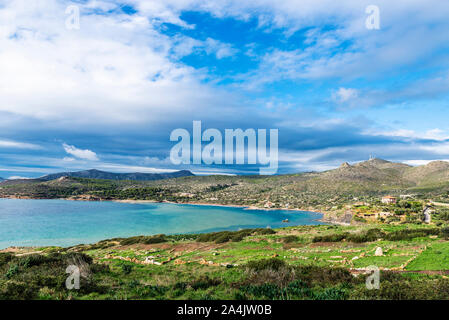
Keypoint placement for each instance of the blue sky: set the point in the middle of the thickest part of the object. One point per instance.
(107, 95)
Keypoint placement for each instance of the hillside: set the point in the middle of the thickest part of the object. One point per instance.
(97, 174)
(433, 172)
(368, 180)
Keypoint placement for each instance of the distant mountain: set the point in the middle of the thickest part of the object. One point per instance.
(97, 174)
(1, 179)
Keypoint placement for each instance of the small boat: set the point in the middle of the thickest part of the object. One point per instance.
(286, 220)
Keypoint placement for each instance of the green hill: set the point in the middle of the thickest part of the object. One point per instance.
(321, 190)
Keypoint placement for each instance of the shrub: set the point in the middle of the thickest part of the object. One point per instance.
(273, 264)
(331, 294)
(159, 238)
(235, 236)
(290, 239)
(18, 291)
(445, 232)
(409, 234)
(359, 219)
(127, 268)
(331, 238)
(28, 274)
(267, 291)
(265, 231)
(204, 283)
(5, 257)
(151, 291)
(323, 276)
(368, 236)
(12, 271)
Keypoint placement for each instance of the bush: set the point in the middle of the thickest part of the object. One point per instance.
(359, 219)
(445, 232)
(314, 275)
(18, 291)
(159, 238)
(127, 268)
(264, 264)
(368, 236)
(204, 283)
(290, 239)
(5, 257)
(330, 294)
(294, 290)
(27, 275)
(13, 270)
(331, 238)
(235, 236)
(223, 237)
(265, 231)
(409, 234)
(375, 233)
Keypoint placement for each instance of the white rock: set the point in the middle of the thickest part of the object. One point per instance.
(378, 252)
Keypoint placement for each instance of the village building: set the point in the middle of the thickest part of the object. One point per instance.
(389, 200)
(268, 204)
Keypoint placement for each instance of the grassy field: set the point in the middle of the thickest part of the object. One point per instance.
(287, 263)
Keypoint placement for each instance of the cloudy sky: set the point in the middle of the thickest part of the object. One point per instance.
(107, 95)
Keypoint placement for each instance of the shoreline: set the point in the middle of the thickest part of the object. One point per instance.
(322, 219)
(244, 207)
(131, 201)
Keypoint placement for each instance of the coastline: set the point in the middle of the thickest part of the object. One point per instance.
(318, 218)
(246, 207)
(326, 216)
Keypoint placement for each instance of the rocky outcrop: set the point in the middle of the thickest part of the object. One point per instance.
(341, 219)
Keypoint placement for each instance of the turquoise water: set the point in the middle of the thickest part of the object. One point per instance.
(66, 223)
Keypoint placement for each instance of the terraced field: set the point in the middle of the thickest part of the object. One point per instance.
(256, 264)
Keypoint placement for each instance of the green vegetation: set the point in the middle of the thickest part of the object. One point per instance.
(375, 234)
(235, 236)
(287, 263)
(304, 262)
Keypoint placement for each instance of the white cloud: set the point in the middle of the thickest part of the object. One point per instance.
(131, 168)
(116, 68)
(17, 178)
(121, 69)
(432, 134)
(220, 49)
(18, 145)
(436, 134)
(79, 153)
(345, 94)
